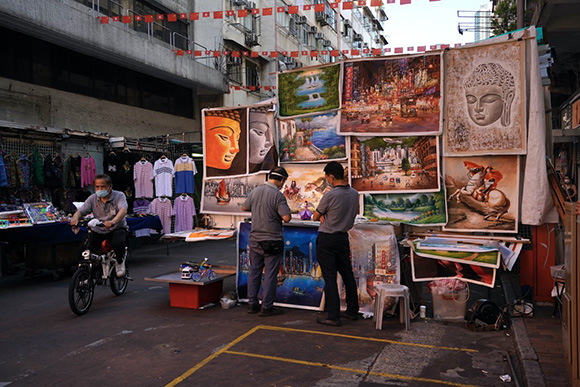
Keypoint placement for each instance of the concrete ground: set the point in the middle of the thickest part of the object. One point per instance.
(139, 339)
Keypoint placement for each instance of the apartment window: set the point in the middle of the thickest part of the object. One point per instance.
(35, 61)
(234, 69)
(252, 74)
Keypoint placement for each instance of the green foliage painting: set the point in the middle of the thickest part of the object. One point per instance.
(309, 91)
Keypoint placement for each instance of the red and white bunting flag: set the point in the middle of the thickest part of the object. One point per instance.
(237, 88)
(205, 14)
(280, 9)
(324, 52)
(242, 13)
(293, 9)
(348, 5)
(126, 19)
(194, 16)
(255, 11)
(403, 2)
(235, 54)
(422, 48)
(334, 53)
(443, 46)
(183, 16)
(218, 15)
(267, 87)
(345, 52)
(226, 53)
(273, 54)
(433, 47)
(307, 7)
(172, 17)
(116, 18)
(313, 54)
(159, 17)
(230, 13)
(189, 52)
(377, 51)
(264, 53)
(366, 51)
(207, 52)
(362, 3)
(273, 87)
(254, 54)
(179, 52)
(398, 50)
(245, 53)
(138, 17)
(410, 49)
(217, 53)
(387, 50)
(390, 1)
(457, 45)
(355, 52)
(304, 53)
(252, 88)
(285, 53)
(104, 20)
(149, 18)
(334, 5)
(267, 12)
(197, 53)
(294, 54)
(319, 7)
(376, 3)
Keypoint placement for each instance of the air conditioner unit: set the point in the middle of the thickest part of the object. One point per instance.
(322, 18)
(327, 43)
(301, 20)
(347, 23)
(240, 3)
(357, 37)
(319, 36)
(251, 39)
(313, 29)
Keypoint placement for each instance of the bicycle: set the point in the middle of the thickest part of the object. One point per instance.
(205, 270)
(93, 270)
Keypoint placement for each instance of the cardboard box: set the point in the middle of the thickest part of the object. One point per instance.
(450, 306)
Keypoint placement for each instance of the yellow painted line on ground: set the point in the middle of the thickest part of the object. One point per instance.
(283, 329)
(190, 371)
(353, 370)
(225, 349)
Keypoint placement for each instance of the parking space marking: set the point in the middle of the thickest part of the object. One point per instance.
(226, 350)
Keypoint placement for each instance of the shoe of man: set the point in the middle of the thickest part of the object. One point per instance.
(120, 268)
(348, 316)
(253, 308)
(325, 321)
(270, 312)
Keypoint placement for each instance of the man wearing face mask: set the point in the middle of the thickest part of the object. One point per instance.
(110, 208)
(269, 208)
(336, 211)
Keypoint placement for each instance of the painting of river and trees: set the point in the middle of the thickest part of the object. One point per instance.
(419, 209)
(309, 90)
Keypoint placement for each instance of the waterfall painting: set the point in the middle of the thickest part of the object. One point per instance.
(309, 90)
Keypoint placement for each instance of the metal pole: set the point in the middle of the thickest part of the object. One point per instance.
(520, 14)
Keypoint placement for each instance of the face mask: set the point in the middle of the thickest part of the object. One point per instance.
(102, 193)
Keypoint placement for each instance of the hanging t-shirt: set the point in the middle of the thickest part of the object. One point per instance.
(141, 206)
(88, 171)
(112, 167)
(75, 170)
(163, 208)
(184, 209)
(163, 170)
(184, 171)
(143, 177)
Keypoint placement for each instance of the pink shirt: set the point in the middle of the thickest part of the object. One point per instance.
(164, 209)
(143, 176)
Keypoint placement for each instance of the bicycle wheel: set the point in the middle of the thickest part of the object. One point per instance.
(196, 277)
(81, 291)
(211, 275)
(119, 284)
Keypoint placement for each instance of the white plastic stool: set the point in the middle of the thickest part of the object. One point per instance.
(392, 290)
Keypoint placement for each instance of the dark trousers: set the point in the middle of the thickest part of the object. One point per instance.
(258, 261)
(118, 240)
(333, 254)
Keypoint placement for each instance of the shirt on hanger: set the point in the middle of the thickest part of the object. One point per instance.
(163, 171)
(184, 173)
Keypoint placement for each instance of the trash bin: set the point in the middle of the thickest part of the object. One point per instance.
(449, 299)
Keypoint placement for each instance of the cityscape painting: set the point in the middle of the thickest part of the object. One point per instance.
(485, 100)
(226, 196)
(399, 96)
(394, 165)
(311, 138)
(417, 209)
(300, 282)
(309, 90)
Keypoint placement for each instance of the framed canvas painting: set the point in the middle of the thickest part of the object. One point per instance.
(485, 100)
(309, 90)
(300, 282)
(482, 193)
(417, 209)
(311, 138)
(397, 95)
(262, 139)
(226, 196)
(225, 142)
(394, 164)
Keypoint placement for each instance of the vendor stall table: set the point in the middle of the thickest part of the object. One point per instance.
(54, 245)
(185, 293)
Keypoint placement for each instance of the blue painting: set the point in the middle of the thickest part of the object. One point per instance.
(300, 282)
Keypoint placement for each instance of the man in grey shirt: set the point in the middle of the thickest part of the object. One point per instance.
(110, 208)
(336, 211)
(269, 208)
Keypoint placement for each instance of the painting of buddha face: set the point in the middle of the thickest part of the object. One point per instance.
(223, 135)
(485, 100)
(261, 137)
